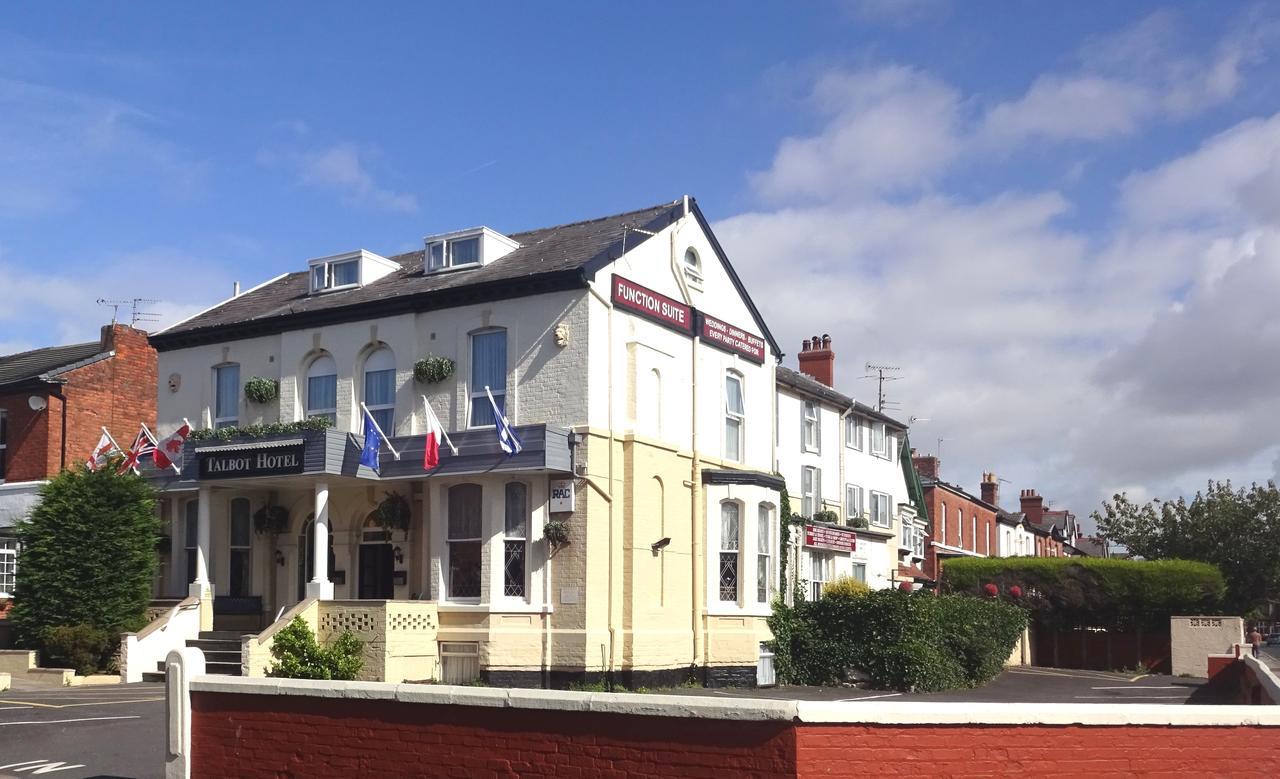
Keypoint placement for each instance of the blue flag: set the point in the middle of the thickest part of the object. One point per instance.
(507, 439)
(372, 442)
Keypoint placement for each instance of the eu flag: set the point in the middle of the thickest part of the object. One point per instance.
(372, 442)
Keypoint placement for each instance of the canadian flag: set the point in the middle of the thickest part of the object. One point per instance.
(169, 451)
(105, 448)
(435, 432)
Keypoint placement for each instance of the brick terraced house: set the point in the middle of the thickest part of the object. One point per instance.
(54, 403)
(630, 361)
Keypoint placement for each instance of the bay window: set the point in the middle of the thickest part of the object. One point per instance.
(464, 540)
(515, 544)
(730, 537)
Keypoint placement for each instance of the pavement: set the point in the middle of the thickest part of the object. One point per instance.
(74, 732)
(1025, 684)
(1271, 656)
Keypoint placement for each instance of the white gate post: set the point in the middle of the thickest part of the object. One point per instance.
(181, 666)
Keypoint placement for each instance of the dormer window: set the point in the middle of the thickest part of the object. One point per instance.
(345, 271)
(453, 253)
(466, 249)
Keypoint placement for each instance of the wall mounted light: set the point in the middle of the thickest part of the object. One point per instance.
(279, 558)
(399, 554)
(660, 544)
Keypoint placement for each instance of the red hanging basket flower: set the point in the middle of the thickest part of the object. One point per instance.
(1015, 591)
(905, 586)
(991, 590)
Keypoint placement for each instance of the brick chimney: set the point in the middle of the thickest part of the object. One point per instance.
(1032, 506)
(817, 360)
(926, 465)
(990, 489)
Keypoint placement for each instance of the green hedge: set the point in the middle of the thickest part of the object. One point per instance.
(902, 641)
(1070, 592)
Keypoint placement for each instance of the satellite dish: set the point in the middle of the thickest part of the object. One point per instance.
(37, 403)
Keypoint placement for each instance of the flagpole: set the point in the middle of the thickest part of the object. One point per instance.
(385, 440)
(432, 412)
(111, 438)
(155, 443)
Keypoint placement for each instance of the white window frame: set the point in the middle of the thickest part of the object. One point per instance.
(810, 497)
(973, 534)
(853, 433)
(822, 568)
(942, 520)
(917, 542)
(693, 270)
(726, 549)
(330, 413)
(764, 552)
(446, 253)
(326, 275)
(732, 417)
(879, 499)
(858, 570)
(220, 422)
(389, 430)
(8, 565)
(508, 539)
(810, 426)
(500, 394)
(854, 502)
(879, 448)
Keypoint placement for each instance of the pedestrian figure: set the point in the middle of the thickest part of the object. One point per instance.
(1255, 638)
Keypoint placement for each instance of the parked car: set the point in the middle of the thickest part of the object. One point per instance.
(1273, 639)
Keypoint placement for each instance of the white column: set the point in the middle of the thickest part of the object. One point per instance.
(201, 586)
(320, 586)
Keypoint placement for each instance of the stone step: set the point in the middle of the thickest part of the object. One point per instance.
(220, 635)
(210, 645)
(153, 676)
(225, 669)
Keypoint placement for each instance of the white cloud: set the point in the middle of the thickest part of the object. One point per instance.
(342, 168)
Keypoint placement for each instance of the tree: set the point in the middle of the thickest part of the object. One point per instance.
(88, 559)
(1237, 530)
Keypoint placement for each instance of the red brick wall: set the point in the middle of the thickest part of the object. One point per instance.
(119, 393)
(985, 542)
(272, 736)
(1087, 751)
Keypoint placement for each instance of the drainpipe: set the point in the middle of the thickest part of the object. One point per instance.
(695, 499)
(609, 660)
(56, 392)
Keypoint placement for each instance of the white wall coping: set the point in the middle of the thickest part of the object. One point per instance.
(1265, 676)
(757, 709)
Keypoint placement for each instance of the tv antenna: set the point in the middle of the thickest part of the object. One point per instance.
(879, 373)
(136, 314)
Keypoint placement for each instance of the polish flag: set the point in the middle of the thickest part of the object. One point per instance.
(102, 452)
(435, 433)
(169, 451)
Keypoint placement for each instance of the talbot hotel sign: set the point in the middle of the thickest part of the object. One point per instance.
(823, 537)
(276, 461)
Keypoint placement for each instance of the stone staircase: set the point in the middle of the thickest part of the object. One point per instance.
(221, 654)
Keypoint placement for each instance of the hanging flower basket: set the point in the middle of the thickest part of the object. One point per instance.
(557, 533)
(260, 390)
(271, 520)
(393, 513)
(164, 545)
(432, 369)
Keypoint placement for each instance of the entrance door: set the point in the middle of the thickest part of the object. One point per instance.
(375, 572)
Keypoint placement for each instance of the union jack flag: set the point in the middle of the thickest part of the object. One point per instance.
(143, 444)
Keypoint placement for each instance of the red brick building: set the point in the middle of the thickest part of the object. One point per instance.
(960, 524)
(54, 403)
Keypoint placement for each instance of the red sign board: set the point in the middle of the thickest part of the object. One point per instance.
(824, 537)
(652, 305)
(730, 338)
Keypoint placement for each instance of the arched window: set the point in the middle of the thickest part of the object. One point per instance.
(515, 545)
(735, 416)
(692, 265)
(730, 544)
(380, 388)
(488, 369)
(241, 543)
(465, 540)
(322, 389)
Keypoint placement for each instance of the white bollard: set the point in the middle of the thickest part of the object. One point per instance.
(181, 666)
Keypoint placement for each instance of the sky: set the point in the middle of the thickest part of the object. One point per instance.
(1060, 221)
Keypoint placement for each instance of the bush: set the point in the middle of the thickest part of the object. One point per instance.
(298, 656)
(84, 648)
(844, 587)
(262, 431)
(902, 641)
(88, 559)
(1065, 592)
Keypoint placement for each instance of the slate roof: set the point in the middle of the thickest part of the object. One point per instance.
(807, 384)
(46, 363)
(549, 259)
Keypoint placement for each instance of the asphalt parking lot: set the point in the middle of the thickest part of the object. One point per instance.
(73, 732)
(1027, 684)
